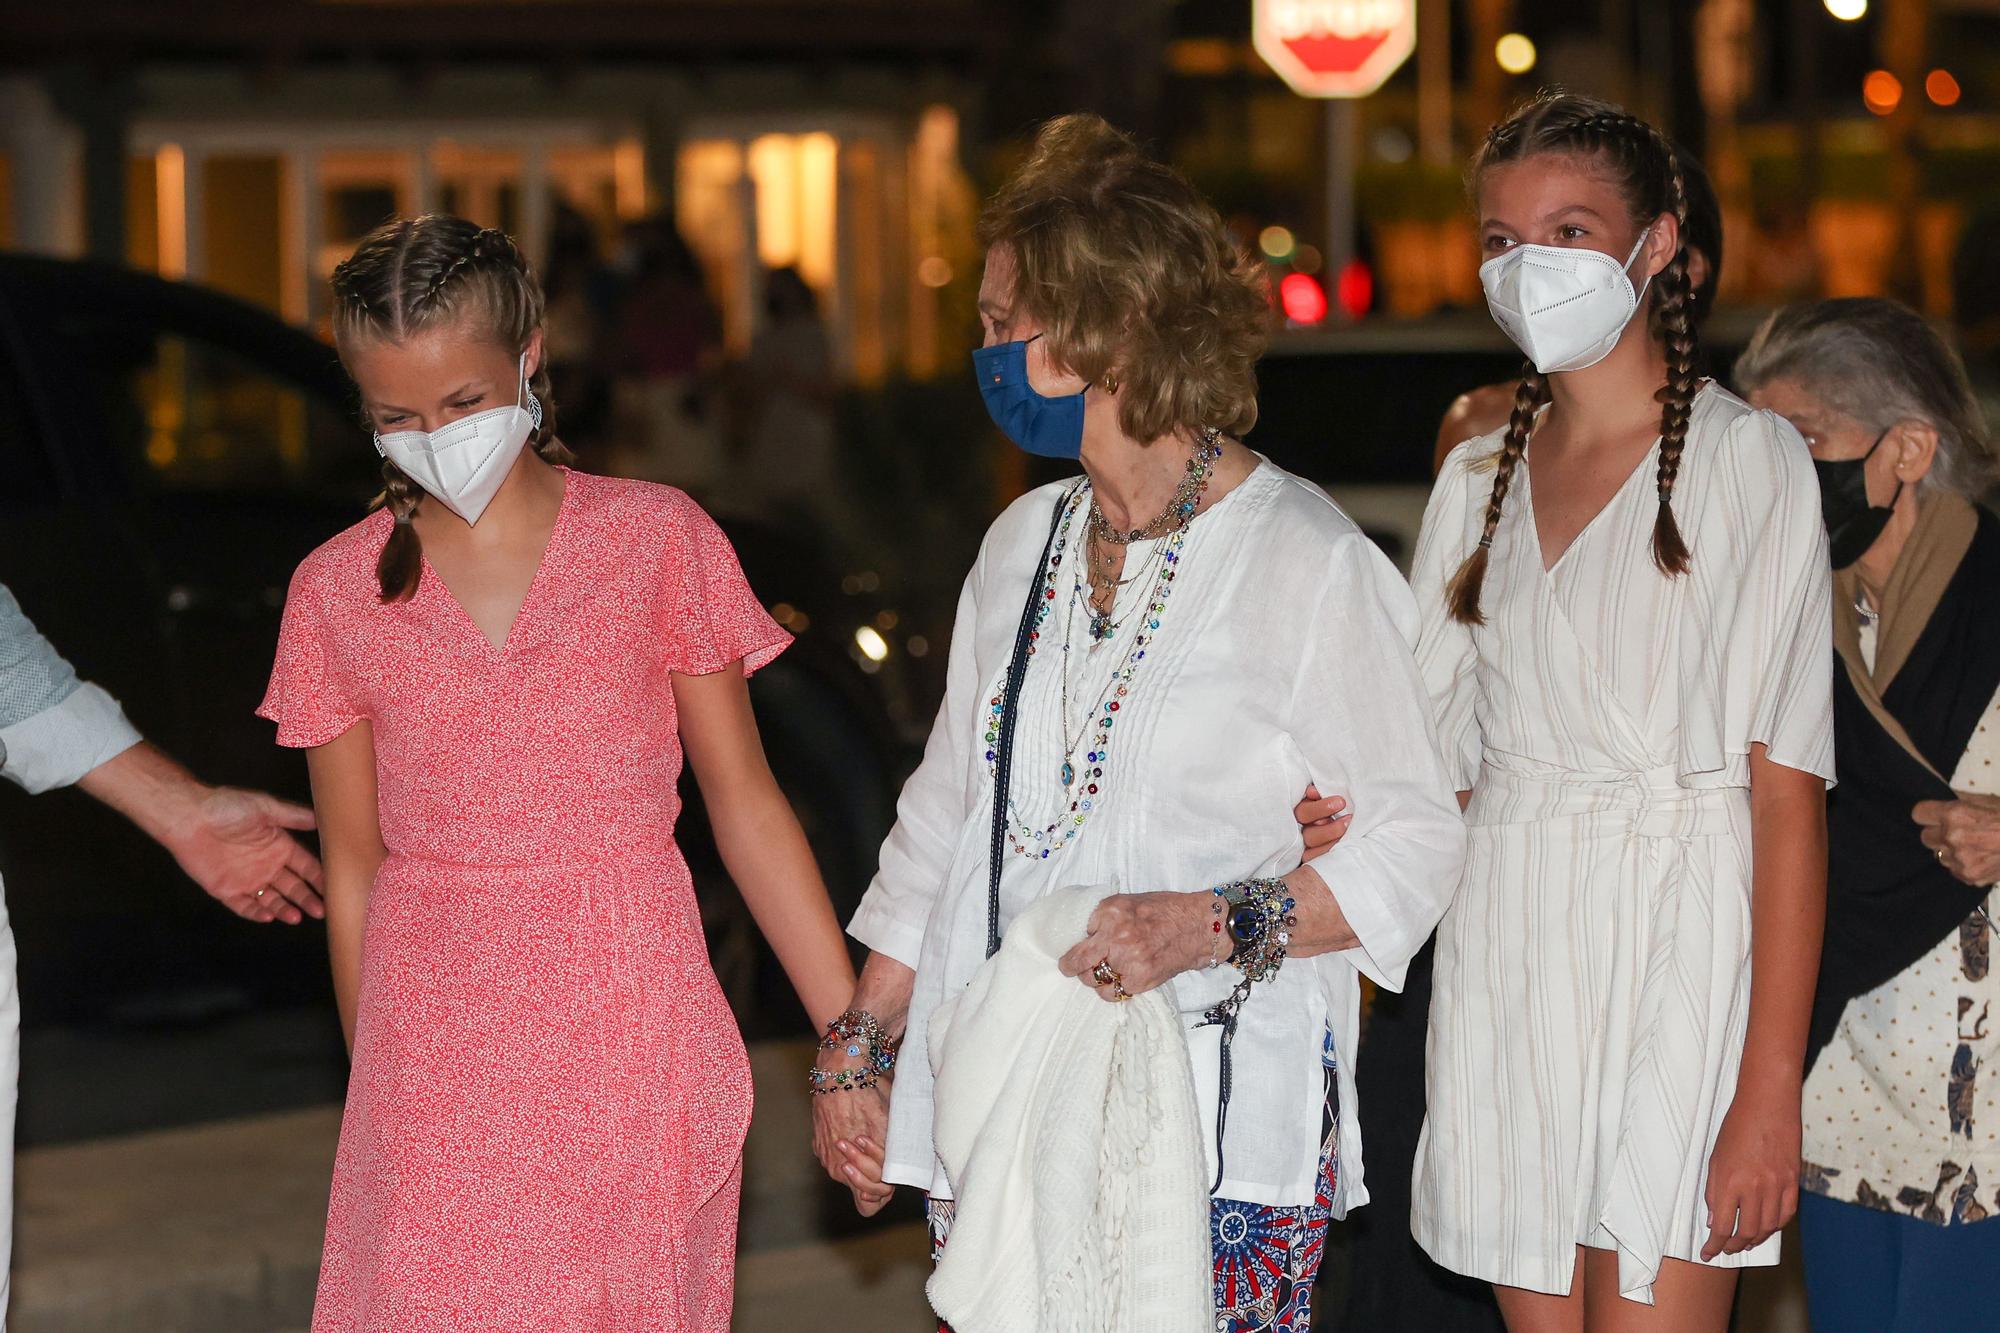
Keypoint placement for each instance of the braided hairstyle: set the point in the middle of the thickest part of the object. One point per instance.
(1648, 173)
(414, 275)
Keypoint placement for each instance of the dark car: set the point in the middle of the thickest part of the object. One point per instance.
(167, 456)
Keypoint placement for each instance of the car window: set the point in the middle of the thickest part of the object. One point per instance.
(184, 413)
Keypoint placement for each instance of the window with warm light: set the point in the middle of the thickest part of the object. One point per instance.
(795, 176)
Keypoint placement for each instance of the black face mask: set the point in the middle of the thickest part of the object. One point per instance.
(1852, 524)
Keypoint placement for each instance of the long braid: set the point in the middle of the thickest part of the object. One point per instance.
(1462, 594)
(1670, 550)
(401, 563)
(1671, 308)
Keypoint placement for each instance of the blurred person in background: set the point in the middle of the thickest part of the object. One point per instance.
(1484, 410)
(664, 354)
(1901, 1175)
(59, 731)
(583, 293)
(786, 394)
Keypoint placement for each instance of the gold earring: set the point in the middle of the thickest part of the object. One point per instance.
(1110, 382)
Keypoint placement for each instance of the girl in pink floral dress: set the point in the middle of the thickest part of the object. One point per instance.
(495, 675)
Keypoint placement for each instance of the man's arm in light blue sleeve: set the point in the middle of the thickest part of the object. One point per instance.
(54, 728)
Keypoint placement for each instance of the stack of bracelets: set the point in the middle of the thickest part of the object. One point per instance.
(1256, 915)
(856, 1034)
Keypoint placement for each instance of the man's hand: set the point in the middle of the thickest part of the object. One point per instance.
(233, 843)
(238, 849)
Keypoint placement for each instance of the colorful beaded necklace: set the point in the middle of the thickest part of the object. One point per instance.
(1040, 843)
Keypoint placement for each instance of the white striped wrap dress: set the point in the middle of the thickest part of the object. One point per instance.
(1593, 970)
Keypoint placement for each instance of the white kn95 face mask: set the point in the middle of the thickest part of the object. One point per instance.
(1565, 307)
(464, 463)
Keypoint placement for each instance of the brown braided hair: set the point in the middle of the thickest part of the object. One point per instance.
(1648, 173)
(413, 275)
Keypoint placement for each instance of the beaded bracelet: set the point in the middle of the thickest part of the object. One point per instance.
(857, 1034)
(1257, 914)
(1263, 935)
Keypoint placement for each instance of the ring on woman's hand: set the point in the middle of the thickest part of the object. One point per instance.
(260, 893)
(1104, 974)
(1119, 994)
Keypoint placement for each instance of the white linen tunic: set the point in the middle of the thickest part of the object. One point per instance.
(1284, 656)
(1593, 972)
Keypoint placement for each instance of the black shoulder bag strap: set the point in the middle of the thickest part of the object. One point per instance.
(1010, 696)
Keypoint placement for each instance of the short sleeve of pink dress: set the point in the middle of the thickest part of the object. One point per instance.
(306, 697)
(719, 620)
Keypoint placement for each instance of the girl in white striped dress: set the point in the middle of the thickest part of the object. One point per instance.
(1629, 663)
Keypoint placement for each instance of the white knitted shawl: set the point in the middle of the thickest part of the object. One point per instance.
(1067, 1127)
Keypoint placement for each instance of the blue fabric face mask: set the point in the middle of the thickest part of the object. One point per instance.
(1048, 427)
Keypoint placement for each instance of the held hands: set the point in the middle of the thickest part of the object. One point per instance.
(1753, 1174)
(1965, 834)
(1142, 939)
(848, 1131)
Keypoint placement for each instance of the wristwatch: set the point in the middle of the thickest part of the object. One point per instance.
(1245, 923)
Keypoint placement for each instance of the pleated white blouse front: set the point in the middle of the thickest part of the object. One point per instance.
(1593, 971)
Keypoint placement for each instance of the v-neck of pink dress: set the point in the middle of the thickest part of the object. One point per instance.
(546, 1113)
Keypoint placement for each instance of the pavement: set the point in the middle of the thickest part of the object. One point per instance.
(215, 1228)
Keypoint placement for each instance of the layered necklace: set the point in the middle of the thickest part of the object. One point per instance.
(1082, 775)
(1173, 519)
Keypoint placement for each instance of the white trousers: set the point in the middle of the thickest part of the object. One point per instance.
(10, 1082)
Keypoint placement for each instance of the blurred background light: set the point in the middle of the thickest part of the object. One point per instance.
(1881, 91)
(1303, 299)
(1515, 53)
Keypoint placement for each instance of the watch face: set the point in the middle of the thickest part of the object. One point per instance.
(1246, 923)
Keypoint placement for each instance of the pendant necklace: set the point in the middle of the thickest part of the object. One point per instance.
(1082, 778)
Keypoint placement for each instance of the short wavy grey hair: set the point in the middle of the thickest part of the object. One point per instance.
(1878, 362)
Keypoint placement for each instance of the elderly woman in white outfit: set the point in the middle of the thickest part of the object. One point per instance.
(1630, 670)
(1206, 633)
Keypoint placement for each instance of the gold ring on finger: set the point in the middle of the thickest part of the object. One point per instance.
(1104, 974)
(1119, 994)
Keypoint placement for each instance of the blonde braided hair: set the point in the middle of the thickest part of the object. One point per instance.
(416, 274)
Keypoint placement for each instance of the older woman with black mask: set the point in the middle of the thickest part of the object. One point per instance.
(1902, 1119)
